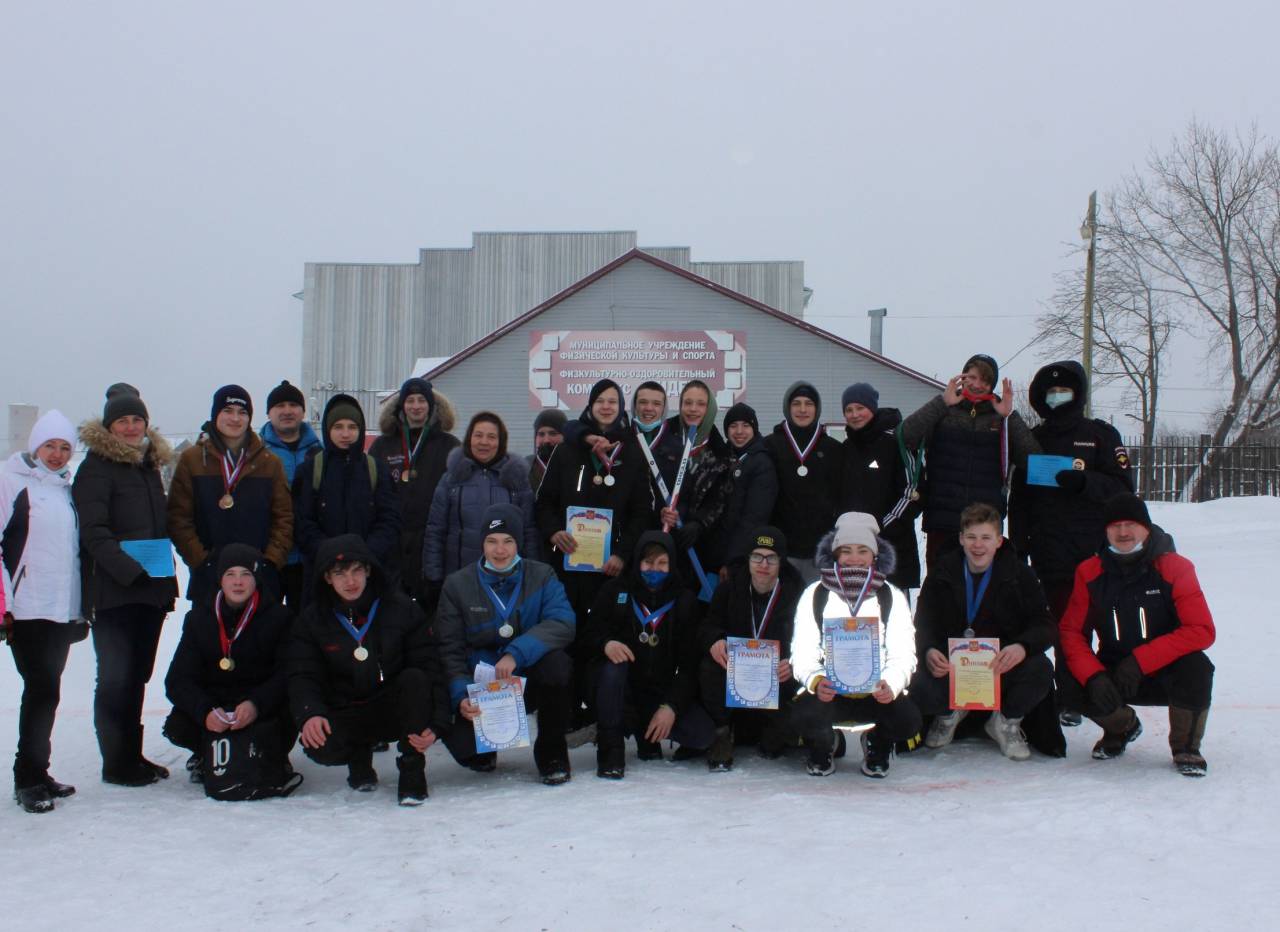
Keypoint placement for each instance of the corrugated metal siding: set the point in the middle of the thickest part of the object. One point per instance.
(777, 284)
(641, 296)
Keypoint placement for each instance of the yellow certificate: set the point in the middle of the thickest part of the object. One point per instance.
(974, 683)
(592, 531)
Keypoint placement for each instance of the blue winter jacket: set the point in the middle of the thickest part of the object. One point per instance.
(467, 620)
(292, 459)
(453, 539)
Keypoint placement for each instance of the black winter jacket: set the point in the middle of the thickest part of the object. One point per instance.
(196, 684)
(323, 672)
(752, 499)
(119, 496)
(1059, 529)
(730, 613)
(669, 669)
(875, 481)
(1013, 608)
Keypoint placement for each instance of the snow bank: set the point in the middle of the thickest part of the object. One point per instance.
(1055, 844)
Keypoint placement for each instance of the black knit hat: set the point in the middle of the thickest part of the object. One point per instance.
(550, 417)
(861, 393)
(503, 518)
(233, 555)
(285, 392)
(769, 538)
(742, 412)
(417, 386)
(230, 395)
(123, 400)
(984, 358)
(1126, 507)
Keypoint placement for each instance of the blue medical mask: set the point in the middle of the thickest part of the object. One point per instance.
(490, 568)
(654, 578)
(1058, 399)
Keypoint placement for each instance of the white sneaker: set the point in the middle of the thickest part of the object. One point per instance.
(943, 729)
(1007, 733)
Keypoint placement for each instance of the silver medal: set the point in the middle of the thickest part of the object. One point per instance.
(802, 470)
(361, 653)
(506, 631)
(968, 632)
(644, 637)
(609, 480)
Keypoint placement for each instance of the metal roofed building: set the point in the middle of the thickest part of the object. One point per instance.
(639, 317)
(365, 324)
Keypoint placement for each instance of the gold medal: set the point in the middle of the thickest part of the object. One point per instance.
(598, 480)
(653, 640)
(226, 502)
(226, 664)
(361, 653)
(404, 476)
(915, 496)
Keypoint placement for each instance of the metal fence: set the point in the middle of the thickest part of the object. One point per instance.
(1164, 469)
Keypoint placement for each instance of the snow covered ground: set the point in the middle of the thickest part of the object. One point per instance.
(958, 838)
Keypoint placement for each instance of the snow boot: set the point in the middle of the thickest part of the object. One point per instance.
(34, 798)
(1186, 729)
(720, 754)
(943, 728)
(1119, 729)
(411, 790)
(555, 772)
(361, 776)
(611, 757)
(58, 790)
(1007, 734)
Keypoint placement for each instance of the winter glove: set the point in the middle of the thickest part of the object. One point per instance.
(1127, 676)
(1102, 692)
(687, 534)
(1071, 480)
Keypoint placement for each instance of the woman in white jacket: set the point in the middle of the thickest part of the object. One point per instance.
(40, 565)
(854, 561)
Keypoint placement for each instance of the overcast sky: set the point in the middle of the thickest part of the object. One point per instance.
(169, 167)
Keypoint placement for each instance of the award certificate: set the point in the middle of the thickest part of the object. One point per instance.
(503, 723)
(852, 650)
(752, 677)
(592, 529)
(974, 684)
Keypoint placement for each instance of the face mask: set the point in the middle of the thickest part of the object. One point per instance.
(490, 568)
(1132, 553)
(654, 578)
(1058, 399)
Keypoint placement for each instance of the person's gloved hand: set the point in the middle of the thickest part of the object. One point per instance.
(1127, 676)
(1103, 694)
(687, 534)
(1070, 480)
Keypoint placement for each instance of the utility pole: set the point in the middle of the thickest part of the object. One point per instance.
(1089, 233)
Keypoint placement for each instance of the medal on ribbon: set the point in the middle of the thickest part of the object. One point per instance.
(361, 653)
(802, 470)
(650, 620)
(227, 664)
(973, 600)
(504, 609)
(231, 469)
(757, 631)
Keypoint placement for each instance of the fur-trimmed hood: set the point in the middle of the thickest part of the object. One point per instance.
(512, 471)
(95, 436)
(886, 557)
(442, 416)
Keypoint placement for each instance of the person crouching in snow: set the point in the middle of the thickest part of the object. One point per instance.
(983, 590)
(512, 613)
(360, 671)
(1153, 624)
(853, 562)
(642, 631)
(228, 671)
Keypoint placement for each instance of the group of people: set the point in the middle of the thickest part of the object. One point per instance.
(346, 595)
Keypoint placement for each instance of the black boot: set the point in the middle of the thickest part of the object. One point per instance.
(361, 776)
(56, 789)
(1119, 729)
(1186, 729)
(551, 750)
(412, 787)
(34, 798)
(648, 750)
(161, 772)
(720, 754)
(611, 756)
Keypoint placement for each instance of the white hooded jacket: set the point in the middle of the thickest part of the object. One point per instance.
(39, 542)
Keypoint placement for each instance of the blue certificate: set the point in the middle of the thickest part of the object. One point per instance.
(752, 677)
(155, 555)
(503, 723)
(852, 652)
(1043, 469)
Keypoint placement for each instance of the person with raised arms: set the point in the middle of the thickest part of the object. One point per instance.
(363, 670)
(852, 594)
(642, 631)
(511, 614)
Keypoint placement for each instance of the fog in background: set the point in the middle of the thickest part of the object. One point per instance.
(168, 167)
